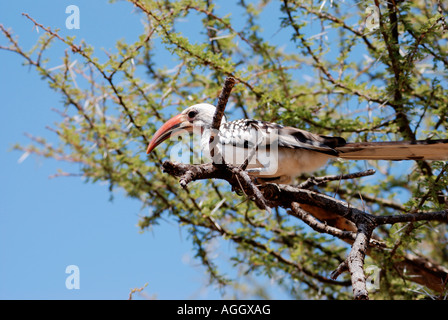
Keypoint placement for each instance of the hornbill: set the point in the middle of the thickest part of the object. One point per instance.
(278, 153)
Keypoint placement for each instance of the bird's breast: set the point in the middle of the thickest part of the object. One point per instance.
(275, 161)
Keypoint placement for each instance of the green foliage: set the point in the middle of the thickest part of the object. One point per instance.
(333, 78)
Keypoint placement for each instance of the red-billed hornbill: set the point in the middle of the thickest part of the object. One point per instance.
(281, 152)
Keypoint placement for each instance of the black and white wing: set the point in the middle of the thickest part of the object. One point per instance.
(251, 133)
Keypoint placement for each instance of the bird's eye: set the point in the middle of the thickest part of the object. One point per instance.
(192, 114)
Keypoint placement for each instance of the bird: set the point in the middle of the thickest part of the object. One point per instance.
(276, 153)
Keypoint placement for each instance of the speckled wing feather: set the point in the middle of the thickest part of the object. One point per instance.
(246, 133)
(290, 137)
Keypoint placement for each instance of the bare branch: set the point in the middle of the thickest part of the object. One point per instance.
(219, 113)
(313, 181)
(355, 261)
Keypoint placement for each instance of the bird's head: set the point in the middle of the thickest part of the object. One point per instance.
(197, 116)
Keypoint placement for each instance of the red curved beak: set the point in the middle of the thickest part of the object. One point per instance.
(167, 130)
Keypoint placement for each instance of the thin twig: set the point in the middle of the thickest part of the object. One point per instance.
(313, 181)
(219, 114)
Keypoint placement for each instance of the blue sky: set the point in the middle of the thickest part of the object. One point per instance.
(47, 224)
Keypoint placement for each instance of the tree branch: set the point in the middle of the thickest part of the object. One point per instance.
(355, 261)
(217, 117)
(315, 181)
(289, 197)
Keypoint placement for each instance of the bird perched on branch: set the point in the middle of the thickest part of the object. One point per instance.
(277, 153)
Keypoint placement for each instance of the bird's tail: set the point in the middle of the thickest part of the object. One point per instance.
(399, 150)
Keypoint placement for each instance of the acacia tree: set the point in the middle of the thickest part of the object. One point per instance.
(365, 71)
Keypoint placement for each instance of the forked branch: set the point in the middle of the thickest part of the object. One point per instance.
(360, 224)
